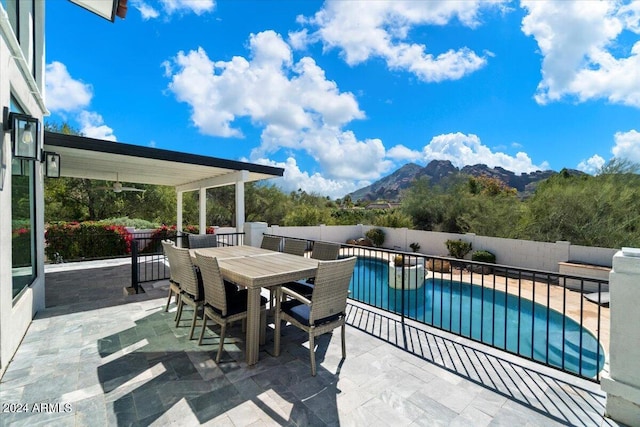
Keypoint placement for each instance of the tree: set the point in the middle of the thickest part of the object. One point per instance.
(489, 208)
(393, 219)
(601, 210)
(422, 203)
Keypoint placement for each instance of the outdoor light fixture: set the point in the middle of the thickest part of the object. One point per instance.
(51, 164)
(107, 9)
(24, 134)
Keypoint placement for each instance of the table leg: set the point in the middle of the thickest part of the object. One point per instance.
(253, 325)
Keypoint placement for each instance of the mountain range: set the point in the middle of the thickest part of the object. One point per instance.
(390, 187)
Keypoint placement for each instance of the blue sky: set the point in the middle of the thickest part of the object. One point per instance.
(342, 93)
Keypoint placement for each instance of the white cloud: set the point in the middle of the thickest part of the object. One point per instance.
(627, 146)
(579, 42)
(380, 29)
(592, 165)
(402, 153)
(293, 101)
(294, 179)
(464, 150)
(63, 92)
(92, 125)
(170, 7)
(147, 11)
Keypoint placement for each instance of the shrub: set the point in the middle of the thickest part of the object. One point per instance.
(125, 221)
(438, 265)
(75, 241)
(483, 256)
(170, 232)
(376, 235)
(458, 248)
(415, 246)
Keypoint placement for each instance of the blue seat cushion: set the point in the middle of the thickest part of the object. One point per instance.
(301, 288)
(237, 302)
(301, 313)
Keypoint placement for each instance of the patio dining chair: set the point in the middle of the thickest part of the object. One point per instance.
(271, 242)
(190, 285)
(323, 251)
(324, 312)
(294, 246)
(223, 302)
(174, 285)
(197, 241)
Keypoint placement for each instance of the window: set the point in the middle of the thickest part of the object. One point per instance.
(11, 6)
(23, 219)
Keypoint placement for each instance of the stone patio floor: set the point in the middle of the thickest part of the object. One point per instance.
(95, 363)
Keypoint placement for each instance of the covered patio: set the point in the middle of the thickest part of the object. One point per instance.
(82, 157)
(115, 362)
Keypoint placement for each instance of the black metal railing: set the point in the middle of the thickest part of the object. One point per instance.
(539, 315)
(148, 262)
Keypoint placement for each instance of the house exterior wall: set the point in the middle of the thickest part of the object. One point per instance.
(21, 78)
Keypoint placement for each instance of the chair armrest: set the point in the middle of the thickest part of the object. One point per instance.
(295, 295)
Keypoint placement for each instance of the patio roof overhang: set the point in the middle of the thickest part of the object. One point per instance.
(83, 157)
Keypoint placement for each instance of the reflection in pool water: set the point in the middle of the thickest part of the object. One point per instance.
(493, 317)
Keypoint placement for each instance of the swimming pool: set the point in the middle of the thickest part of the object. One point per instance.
(493, 317)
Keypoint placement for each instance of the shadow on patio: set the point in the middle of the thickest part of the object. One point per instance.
(129, 365)
(153, 366)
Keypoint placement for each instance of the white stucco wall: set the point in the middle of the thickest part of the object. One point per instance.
(518, 253)
(16, 80)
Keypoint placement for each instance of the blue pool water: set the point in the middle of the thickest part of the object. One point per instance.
(489, 316)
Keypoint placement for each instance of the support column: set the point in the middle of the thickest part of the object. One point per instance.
(179, 215)
(622, 383)
(253, 232)
(203, 211)
(244, 175)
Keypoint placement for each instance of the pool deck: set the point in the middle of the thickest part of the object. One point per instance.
(114, 361)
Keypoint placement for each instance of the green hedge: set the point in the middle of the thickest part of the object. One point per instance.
(483, 256)
(76, 241)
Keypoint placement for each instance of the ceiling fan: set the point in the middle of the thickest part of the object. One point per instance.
(117, 187)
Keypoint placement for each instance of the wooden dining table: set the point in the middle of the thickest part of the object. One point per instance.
(257, 268)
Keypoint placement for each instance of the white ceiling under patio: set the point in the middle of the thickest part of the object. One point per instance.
(82, 157)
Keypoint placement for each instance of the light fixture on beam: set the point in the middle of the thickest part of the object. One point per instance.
(51, 164)
(107, 9)
(25, 134)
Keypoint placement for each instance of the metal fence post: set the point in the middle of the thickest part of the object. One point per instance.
(134, 264)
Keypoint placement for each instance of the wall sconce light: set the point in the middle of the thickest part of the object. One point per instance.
(25, 131)
(51, 164)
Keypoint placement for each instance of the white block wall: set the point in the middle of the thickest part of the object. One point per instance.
(518, 253)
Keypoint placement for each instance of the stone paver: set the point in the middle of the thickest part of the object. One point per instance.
(127, 364)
